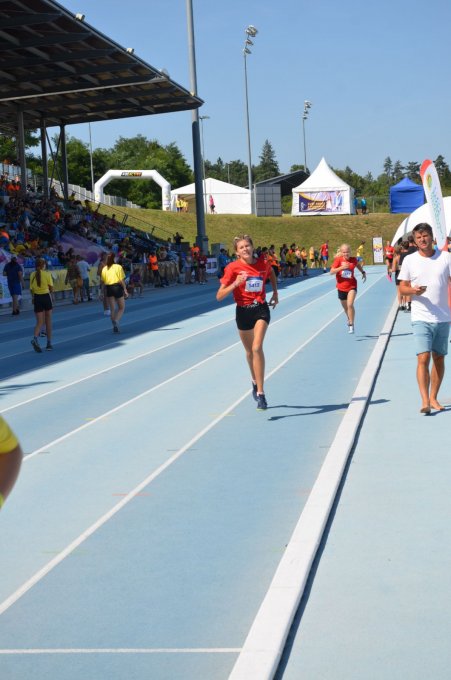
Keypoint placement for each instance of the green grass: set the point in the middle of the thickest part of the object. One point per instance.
(304, 231)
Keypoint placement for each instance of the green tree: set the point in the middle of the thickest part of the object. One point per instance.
(268, 166)
(398, 172)
(388, 168)
(413, 171)
(237, 170)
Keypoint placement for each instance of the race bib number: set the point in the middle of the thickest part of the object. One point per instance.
(346, 273)
(253, 285)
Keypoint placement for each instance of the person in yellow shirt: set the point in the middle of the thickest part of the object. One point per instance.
(10, 460)
(113, 276)
(41, 289)
(359, 253)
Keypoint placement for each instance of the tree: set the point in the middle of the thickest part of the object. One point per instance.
(268, 166)
(388, 167)
(398, 172)
(441, 166)
(413, 170)
(237, 170)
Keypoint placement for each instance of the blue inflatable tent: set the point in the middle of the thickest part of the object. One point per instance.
(406, 196)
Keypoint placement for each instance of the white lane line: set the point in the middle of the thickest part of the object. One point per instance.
(39, 575)
(124, 404)
(127, 361)
(131, 650)
(263, 647)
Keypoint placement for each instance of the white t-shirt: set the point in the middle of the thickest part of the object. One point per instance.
(84, 269)
(433, 272)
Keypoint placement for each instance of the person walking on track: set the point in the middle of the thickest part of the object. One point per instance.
(426, 275)
(113, 276)
(245, 278)
(343, 267)
(41, 288)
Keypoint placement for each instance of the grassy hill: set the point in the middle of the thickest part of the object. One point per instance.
(304, 231)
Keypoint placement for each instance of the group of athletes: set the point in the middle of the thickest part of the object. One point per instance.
(246, 277)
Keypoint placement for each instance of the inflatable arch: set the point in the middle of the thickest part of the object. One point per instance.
(135, 174)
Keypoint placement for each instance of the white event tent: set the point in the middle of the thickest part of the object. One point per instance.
(422, 214)
(323, 193)
(228, 198)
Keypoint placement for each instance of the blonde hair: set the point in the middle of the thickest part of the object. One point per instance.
(39, 266)
(243, 237)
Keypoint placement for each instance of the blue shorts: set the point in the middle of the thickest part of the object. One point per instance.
(431, 337)
(15, 289)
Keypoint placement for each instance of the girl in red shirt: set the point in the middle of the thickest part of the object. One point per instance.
(343, 267)
(246, 278)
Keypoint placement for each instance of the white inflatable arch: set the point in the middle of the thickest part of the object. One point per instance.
(135, 174)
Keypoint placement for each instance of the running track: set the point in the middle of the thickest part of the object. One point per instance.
(147, 535)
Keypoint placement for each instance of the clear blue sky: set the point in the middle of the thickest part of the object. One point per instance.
(377, 74)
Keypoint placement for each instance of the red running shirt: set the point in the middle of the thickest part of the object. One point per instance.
(253, 289)
(389, 252)
(345, 279)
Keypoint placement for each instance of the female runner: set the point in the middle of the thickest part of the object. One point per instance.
(245, 277)
(343, 267)
(113, 276)
(41, 289)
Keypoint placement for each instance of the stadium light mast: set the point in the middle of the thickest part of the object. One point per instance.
(307, 107)
(202, 118)
(250, 32)
(201, 239)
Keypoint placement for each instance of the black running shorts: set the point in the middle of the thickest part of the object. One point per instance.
(247, 317)
(115, 290)
(42, 303)
(343, 294)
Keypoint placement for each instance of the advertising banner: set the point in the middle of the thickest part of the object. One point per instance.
(378, 250)
(321, 201)
(5, 297)
(433, 191)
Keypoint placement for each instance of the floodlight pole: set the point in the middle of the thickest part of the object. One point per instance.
(250, 32)
(201, 239)
(202, 118)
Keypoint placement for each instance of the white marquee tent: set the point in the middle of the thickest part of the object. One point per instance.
(323, 193)
(422, 214)
(228, 198)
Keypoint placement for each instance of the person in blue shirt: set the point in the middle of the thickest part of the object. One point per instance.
(14, 275)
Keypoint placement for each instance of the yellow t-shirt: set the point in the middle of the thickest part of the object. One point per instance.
(112, 275)
(46, 281)
(360, 251)
(8, 440)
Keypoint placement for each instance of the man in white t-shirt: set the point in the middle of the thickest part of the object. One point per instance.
(425, 275)
(84, 272)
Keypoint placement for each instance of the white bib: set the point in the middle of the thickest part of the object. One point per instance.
(253, 285)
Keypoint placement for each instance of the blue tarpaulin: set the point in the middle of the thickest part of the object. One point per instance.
(406, 196)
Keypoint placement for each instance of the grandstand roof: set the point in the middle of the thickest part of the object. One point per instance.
(287, 182)
(58, 68)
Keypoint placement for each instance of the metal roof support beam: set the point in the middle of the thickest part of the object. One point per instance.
(64, 162)
(29, 20)
(21, 150)
(45, 165)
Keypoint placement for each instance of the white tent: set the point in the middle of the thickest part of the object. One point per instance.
(323, 193)
(228, 198)
(422, 214)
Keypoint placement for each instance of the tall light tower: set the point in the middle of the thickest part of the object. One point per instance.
(202, 118)
(307, 107)
(250, 32)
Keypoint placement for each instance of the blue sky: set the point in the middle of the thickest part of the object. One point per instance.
(376, 73)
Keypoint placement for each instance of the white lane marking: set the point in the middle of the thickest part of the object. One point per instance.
(263, 647)
(39, 575)
(127, 361)
(131, 650)
(93, 421)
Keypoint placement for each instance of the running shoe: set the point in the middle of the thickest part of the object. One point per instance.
(36, 345)
(107, 312)
(49, 347)
(261, 402)
(351, 329)
(43, 334)
(254, 391)
(115, 328)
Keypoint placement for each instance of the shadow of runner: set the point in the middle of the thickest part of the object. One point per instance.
(318, 409)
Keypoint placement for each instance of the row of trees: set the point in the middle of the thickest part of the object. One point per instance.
(141, 153)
